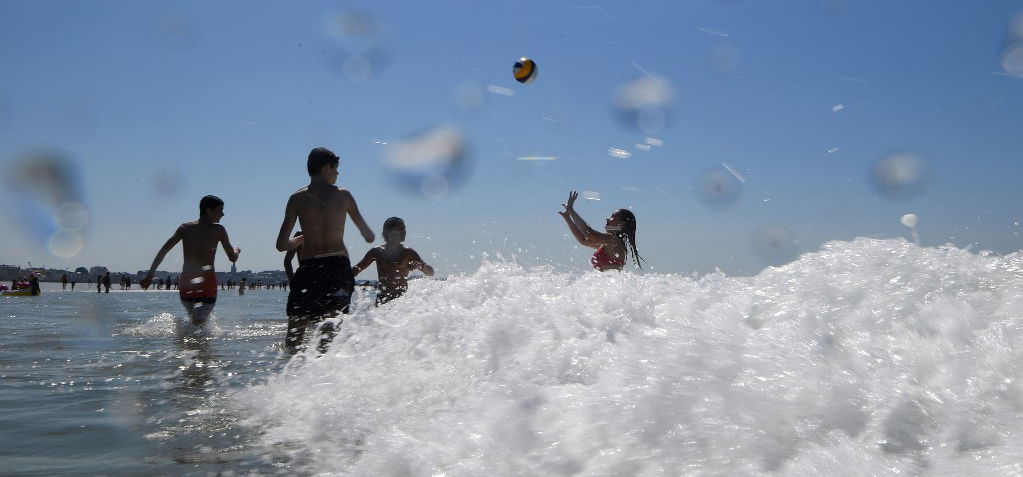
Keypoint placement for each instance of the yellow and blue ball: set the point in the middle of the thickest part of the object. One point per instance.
(524, 70)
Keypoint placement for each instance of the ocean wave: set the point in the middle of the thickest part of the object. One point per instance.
(863, 358)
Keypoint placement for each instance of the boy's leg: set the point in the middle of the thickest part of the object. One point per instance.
(296, 331)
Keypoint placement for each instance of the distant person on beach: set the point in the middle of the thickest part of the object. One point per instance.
(199, 239)
(106, 282)
(63, 282)
(394, 262)
(241, 287)
(33, 283)
(323, 284)
(74, 280)
(99, 284)
(613, 245)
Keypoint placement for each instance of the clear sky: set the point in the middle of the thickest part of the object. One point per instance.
(156, 104)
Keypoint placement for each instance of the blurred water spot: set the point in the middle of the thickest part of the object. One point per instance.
(654, 141)
(197, 280)
(352, 24)
(501, 90)
(899, 176)
(537, 158)
(357, 47)
(910, 220)
(618, 153)
(469, 95)
(45, 189)
(833, 150)
(357, 68)
(838, 107)
(65, 243)
(167, 182)
(718, 187)
(645, 103)
(590, 195)
(429, 164)
(643, 147)
(723, 59)
(775, 244)
(1012, 60)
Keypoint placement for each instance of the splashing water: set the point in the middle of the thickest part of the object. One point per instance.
(869, 357)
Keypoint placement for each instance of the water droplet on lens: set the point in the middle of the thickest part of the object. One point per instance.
(46, 190)
(723, 59)
(775, 244)
(909, 220)
(717, 187)
(645, 103)
(430, 164)
(899, 176)
(66, 243)
(167, 182)
(618, 153)
(197, 280)
(1012, 60)
(357, 68)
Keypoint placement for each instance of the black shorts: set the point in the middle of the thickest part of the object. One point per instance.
(322, 286)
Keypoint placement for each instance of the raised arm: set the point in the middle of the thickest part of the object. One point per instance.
(419, 264)
(290, 216)
(353, 212)
(231, 251)
(579, 232)
(363, 264)
(169, 244)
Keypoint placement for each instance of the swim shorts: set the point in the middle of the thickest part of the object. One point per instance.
(322, 286)
(198, 295)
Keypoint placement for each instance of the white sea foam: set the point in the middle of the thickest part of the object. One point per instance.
(169, 325)
(870, 357)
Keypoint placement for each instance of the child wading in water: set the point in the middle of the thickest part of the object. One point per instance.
(199, 240)
(614, 245)
(394, 262)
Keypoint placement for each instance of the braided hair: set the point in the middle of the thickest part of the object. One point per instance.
(628, 234)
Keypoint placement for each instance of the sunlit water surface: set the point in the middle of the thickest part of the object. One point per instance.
(872, 357)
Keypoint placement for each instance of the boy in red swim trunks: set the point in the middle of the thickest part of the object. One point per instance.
(199, 239)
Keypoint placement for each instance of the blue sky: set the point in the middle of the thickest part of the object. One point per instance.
(227, 98)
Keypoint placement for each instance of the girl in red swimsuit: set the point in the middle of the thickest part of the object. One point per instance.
(612, 246)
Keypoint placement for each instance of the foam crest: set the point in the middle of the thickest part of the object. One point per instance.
(866, 357)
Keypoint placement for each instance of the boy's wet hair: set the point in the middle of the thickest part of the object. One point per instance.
(393, 222)
(319, 157)
(209, 202)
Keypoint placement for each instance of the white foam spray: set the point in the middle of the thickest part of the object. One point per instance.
(871, 357)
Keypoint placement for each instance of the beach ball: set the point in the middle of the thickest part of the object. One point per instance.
(524, 70)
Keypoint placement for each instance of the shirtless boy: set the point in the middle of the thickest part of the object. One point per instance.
(199, 239)
(323, 284)
(394, 262)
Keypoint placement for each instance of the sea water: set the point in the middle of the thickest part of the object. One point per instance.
(870, 357)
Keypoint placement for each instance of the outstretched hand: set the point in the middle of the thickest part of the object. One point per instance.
(572, 196)
(147, 281)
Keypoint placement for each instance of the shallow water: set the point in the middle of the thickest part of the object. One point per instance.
(872, 357)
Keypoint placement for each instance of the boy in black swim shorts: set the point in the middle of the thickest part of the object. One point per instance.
(323, 284)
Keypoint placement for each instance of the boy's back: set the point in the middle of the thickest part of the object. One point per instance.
(321, 213)
(199, 245)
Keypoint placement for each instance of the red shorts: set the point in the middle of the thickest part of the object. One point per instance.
(198, 289)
